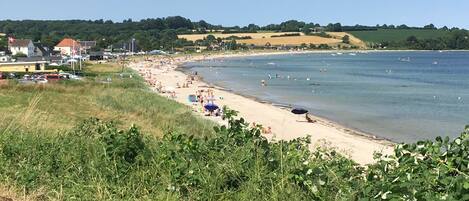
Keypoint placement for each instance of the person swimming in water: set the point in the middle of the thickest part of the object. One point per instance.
(263, 83)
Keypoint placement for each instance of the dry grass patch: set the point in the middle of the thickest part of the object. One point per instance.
(353, 40)
(291, 40)
(194, 37)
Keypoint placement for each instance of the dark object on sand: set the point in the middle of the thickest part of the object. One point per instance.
(299, 111)
(211, 107)
(309, 119)
(192, 98)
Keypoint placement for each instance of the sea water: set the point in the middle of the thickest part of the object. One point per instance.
(401, 96)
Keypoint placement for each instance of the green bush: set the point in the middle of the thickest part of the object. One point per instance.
(96, 161)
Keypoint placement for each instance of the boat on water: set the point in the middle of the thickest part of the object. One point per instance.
(405, 59)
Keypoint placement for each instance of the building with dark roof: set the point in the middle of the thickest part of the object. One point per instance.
(21, 46)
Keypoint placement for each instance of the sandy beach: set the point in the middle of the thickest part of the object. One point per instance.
(162, 74)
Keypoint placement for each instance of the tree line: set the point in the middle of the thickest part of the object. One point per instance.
(454, 40)
(162, 33)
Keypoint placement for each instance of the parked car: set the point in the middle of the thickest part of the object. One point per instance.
(53, 77)
(70, 76)
(41, 81)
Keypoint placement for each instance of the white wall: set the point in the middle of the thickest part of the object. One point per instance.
(29, 51)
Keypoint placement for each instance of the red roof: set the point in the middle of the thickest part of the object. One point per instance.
(68, 42)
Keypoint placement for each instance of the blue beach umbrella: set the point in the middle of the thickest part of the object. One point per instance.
(211, 107)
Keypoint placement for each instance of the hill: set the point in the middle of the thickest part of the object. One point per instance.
(280, 38)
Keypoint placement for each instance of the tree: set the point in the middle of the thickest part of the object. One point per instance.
(19, 55)
(253, 28)
(346, 39)
(3, 44)
(412, 39)
(430, 26)
(402, 26)
(291, 25)
(337, 27)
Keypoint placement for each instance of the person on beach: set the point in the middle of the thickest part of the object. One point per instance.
(267, 130)
(309, 119)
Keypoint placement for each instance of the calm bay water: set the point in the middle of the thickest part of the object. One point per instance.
(402, 96)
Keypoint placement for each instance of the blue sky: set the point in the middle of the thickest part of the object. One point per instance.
(242, 12)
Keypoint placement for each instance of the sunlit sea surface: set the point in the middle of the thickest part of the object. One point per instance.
(401, 96)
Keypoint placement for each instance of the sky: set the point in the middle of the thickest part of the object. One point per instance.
(452, 13)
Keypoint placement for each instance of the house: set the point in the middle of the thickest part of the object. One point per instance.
(87, 45)
(96, 56)
(318, 29)
(25, 67)
(41, 50)
(68, 47)
(21, 46)
(56, 60)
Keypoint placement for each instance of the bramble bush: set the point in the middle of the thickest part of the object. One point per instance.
(97, 161)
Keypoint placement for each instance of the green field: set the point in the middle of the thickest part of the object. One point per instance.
(397, 34)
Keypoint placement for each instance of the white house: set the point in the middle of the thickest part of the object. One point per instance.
(21, 46)
(68, 47)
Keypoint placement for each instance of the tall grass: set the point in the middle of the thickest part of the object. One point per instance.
(62, 105)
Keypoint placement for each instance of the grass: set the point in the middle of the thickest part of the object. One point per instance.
(62, 105)
(397, 34)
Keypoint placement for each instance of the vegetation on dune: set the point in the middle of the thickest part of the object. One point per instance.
(127, 100)
(97, 161)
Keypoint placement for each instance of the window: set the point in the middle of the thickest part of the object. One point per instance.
(38, 67)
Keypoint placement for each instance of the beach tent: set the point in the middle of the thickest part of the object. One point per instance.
(211, 107)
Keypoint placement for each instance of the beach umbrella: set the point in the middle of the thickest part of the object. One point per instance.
(211, 107)
(299, 111)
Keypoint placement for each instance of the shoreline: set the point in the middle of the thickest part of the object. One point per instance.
(355, 144)
(324, 120)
